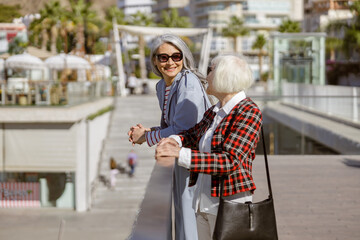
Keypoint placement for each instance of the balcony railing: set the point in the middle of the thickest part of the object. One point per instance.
(20, 92)
(338, 102)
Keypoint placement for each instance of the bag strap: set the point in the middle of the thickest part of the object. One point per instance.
(266, 168)
(266, 163)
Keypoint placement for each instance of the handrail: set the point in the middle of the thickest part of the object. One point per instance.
(154, 220)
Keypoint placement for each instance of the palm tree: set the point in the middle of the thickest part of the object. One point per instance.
(92, 31)
(47, 25)
(142, 19)
(113, 12)
(333, 44)
(234, 29)
(78, 11)
(67, 28)
(259, 44)
(351, 29)
(171, 18)
(8, 13)
(289, 26)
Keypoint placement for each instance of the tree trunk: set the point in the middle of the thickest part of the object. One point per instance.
(332, 54)
(44, 40)
(54, 35)
(260, 66)
(80, 37)
(235, 44)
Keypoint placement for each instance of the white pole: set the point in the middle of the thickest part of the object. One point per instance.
(355, 105)
(119, 62)
(205, 51)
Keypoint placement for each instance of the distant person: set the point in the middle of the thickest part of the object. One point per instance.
(113, 172)
(132, 162)
(145, 88)
(132, 83)
(183, 101)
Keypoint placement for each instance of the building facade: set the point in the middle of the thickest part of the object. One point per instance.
(319, 13)
(52, 153)
(164, 5)
(259, 16)
(133, 6)
(9, 31)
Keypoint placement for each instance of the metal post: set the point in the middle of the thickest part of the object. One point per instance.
(119, 59)
(355, 105)
(205, 51)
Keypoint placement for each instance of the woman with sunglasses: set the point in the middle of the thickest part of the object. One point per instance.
(183, 101)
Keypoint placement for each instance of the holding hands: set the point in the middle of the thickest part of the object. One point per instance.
(166, 151)
(137, 134)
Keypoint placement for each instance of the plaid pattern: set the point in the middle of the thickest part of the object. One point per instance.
(232, 148)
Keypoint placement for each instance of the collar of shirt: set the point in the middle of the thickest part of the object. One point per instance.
(229, 105)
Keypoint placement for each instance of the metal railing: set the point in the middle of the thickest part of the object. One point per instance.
(38, 93)
(341, 103)
(334, 101)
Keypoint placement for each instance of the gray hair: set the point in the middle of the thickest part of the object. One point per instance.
(188, 59)
(231, 74)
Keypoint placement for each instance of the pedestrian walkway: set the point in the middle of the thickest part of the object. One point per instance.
(126, 198)
(316, 197)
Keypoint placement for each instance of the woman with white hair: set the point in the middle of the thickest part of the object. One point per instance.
(222, 145)
(183, 101)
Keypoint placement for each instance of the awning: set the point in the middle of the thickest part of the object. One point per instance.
(139, 30)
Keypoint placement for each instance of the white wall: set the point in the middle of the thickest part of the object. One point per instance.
(81, 203)
(39, 147)
(97, 130)
(90, 137)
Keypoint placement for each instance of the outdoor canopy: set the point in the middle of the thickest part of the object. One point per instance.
(24, 61)
(67, 61)
(155, 31)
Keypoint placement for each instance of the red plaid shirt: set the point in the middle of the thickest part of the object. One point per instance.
(232, 148)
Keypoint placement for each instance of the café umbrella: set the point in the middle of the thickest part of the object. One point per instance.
(66, 61)
(24, 61)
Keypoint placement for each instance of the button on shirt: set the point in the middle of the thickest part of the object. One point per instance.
(203, 201)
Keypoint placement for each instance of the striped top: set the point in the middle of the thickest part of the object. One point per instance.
(153, 137)
(167, 92)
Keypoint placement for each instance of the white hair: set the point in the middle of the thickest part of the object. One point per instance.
(231, 74)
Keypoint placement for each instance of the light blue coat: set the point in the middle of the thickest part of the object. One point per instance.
(186, 106)
(187, 103)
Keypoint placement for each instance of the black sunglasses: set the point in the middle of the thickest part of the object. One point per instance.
(163, 57)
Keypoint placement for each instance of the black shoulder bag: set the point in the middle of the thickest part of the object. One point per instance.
(247, 221)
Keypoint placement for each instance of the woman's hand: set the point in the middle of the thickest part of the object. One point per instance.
(167, 147)
(137, 134)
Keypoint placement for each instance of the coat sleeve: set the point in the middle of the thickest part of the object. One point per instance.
(233, 151)
(189, 107)
(192, 136)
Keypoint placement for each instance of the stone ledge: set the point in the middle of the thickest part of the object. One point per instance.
(53, 114)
